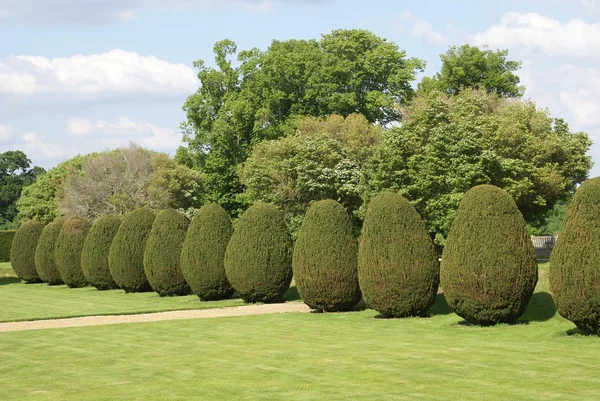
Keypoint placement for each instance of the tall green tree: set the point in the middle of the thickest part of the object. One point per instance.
(471, 67)
(236, 107)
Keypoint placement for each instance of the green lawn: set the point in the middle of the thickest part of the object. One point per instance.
(346, 356)
(19, 301)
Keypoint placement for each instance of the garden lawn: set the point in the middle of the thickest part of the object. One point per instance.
(335, 356)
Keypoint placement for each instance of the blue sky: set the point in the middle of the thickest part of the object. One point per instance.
(84, 75)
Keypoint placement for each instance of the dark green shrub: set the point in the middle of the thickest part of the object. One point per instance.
(488, 270)
(398, 267)
(126, 255)
(203, 253)
(325, 258)
(67, 251)
(94, 257)
(44, 254)
(574, 262)
(22, 251)
(6, 238)
(163, 254)
(258, 260)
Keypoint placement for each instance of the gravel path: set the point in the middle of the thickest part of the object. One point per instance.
(155, 317)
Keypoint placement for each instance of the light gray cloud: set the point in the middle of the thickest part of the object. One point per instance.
(420, 28)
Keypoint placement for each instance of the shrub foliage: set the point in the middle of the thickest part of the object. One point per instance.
(258, 260)
(398, 268)
(163, 254)
(488, 269)
(45, 263)
(126, 255)
(94, 258)
(574, 269)
(67, 253)
(6, 238)
(203, 253)
(22, 251)
(325, 258)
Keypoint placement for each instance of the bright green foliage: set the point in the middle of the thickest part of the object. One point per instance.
(203, 253)
(162, 255)
(398, 268)
(67, 251)
(94, 257)
(258, 260)
(22, 251)
(488, 269)
(45, 263)
(470, 67)
(6, 238)
(574, 268)
(126, 255)
(325, 259)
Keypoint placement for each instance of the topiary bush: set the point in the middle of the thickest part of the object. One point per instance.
(258, 260)
(325, 259)
(67, 251)
(574, 268)
(6, 238)
(44, 254)
(203, 253)
(163, 254)
(398, 267)
(488, 269)
(22, 251)
(126, 255)
(94, 257)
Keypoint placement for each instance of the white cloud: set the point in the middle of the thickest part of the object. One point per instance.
(39, 146)
(116, 72)
(5, 131)
(536, 32)
(422, 29)
(79, 127)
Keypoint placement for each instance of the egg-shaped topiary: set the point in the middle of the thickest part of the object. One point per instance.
(163, 254)
(325, 259)
(258, 260)
(22, 251)
(398, 267)
(44, 253)
(67, 251)
(574, 268)
(203, 253)
(94, 257)
(488, 270)
(126, 255)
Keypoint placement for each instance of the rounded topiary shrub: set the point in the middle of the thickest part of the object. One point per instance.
(94, 258)
(67, 251)
(488, 271)
(203, 253)
(325, 259)
(258, 260)
(398, 267)
(44, 253)
(163, 254)
(574, 262)
(126, 255)
(22, 251)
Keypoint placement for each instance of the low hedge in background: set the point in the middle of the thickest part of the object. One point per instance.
(67, 253)
(94, 257)
(6, 238)
(203, 253)
(162, 255)
(44, 254)
(22, 251)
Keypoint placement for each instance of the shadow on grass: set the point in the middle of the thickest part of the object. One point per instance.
(440, 307)
(541, 308)
(577, 333)
(291, 294)
(9, 280)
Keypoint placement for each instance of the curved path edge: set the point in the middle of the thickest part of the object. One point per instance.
(245, 310)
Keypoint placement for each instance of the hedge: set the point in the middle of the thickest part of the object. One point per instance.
(258, 260)
(22, 251)
(67, 253)
(325, 259)
(162, 255)
(6, 238)
(488, 269)
(398, 267)
(45, 263)
(203, 253)
(94, 257)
